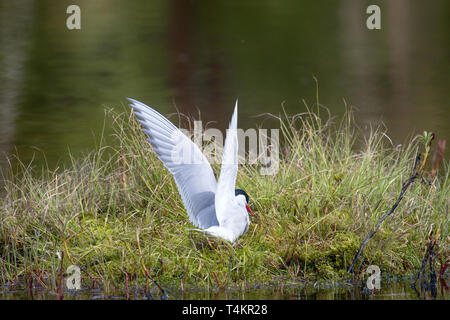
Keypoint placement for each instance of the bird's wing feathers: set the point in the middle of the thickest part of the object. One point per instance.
(225, 196)
(192, 172)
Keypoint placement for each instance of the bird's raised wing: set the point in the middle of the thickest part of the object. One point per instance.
(225, 195)
(192, 172)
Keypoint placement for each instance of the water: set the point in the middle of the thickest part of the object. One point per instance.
(390, 290)
(195, 55)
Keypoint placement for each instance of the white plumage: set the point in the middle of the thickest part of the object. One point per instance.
(212, 206)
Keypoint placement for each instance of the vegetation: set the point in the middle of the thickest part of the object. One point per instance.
(117, 213)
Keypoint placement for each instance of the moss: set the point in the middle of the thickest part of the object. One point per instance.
(123, 213)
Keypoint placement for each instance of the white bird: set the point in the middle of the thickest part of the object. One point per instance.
(216, 208)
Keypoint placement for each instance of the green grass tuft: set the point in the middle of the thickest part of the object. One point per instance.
(118, 209)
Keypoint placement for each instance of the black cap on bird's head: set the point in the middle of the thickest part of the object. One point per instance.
(240, 191)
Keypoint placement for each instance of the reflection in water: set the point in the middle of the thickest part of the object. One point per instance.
(390, 69)
(15, 32)
(360, 61)
(399, 21)
(180, 52)
(55, 83)
(392, 290)
(192, 86)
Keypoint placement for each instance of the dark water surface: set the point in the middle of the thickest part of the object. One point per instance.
(391, 290)
(55, 83)
(202, 55)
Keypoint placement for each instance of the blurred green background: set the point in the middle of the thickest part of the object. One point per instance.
(202, 55)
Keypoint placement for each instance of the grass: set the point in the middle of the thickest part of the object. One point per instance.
(116, 213)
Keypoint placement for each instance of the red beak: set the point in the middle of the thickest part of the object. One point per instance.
(248, 209)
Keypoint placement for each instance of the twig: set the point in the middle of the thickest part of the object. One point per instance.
(182, 279)
(427, 257)
(217, 279)
(363, 244)
(443, 269)
(127, 276)
(38, 279)
(416, 174)
(60, 294)
(165, 296)
(67, 249)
